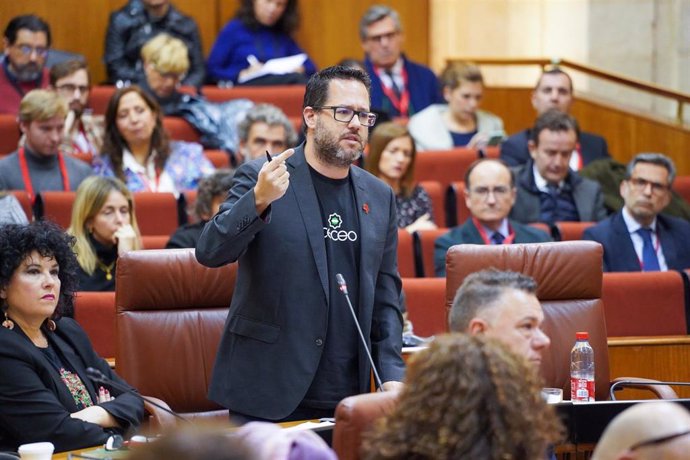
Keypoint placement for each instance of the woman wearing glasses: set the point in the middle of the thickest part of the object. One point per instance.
(391, 158)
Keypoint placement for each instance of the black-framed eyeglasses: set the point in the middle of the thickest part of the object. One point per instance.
(641, 184)
(26, 50)
(70, 88)
(499, 192)
(660, 440)
(346, 114)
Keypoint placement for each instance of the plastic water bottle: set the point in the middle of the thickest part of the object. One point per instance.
(582, 369)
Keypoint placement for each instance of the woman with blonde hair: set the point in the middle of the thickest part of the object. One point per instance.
(391, 158)
(467, 397)
(104, 227)
(459, 122)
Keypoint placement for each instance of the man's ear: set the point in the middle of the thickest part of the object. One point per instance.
(532, 147)
(24, 126)
(477, 326)
(309, 115)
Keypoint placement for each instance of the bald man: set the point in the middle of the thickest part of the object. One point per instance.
(656, 430)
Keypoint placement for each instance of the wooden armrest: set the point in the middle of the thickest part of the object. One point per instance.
(661, 391)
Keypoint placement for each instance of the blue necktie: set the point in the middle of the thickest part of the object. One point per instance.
(650, 263)
(497, 238)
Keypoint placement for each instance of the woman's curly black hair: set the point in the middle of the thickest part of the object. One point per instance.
(17, 242)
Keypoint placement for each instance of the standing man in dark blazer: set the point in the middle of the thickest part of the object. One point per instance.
(489, 195)
(554, 90)
(399, 87)
(547, 189)
(290, 348)
(638, 237)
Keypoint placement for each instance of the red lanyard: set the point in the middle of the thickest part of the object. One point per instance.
(27, 178)
(480, 228)
(402, 105)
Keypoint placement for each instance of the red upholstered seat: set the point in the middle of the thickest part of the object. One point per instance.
(9, 134)
(156, 213)
(425, 240)
(406, 264)
(25, 202)
(435, 191)
(644, 304)
(95, 312)
(170, 316)
(180, 130)
(55, 206)
(572, 231)
(288, 98)
(426, 305)
(444, 166)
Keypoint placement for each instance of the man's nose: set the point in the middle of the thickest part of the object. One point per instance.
(540, 340)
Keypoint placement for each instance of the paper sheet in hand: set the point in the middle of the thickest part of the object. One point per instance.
(277, 66)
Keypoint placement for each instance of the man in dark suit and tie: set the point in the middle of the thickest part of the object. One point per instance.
(638, 237)
(554, 90)
(290, 349)
(489, 195)
(548, 190)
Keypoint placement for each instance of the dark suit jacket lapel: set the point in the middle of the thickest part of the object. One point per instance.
(68, 352)
(668, 245)
(308, 204)
(368, 210)
(623, 246)
(470, 233)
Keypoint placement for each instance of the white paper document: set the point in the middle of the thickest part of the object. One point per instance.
(277, 66)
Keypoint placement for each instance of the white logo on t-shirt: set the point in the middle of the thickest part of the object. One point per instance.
(332, 232)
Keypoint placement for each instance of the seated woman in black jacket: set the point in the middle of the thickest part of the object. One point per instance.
(45, 394)
(104, 226)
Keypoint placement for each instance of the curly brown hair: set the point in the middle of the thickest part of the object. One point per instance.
(466, 397)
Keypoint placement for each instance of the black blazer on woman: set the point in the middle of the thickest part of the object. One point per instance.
(35, 405)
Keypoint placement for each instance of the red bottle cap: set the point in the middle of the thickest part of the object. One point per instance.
(582, 335)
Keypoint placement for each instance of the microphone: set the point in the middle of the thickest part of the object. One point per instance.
(97, 376)
(343, 288)
(641, 383)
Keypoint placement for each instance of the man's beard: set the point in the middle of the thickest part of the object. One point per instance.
(329, 151)
(28, 72)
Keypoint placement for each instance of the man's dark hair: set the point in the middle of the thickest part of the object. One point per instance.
(26, 21)
(554, 120)
(482, 160)
(288, 22)
(554, 70)
(316, 93)
(480, 290)
(66, 68)
(658, 159)
(217, 184)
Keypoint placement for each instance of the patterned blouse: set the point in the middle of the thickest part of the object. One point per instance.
(413, 207)
(183, 169)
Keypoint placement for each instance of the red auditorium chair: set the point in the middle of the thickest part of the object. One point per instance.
(99, 96)
(156, 213)
(9, 134)
(644, 304)
(425, 299)
(571, 231)
(444, 166)
(25, 202)
(354, 415)
(424, 248)
(288, 98)
(457, 211)
(542, 226)
(170, 313)
(219, 158)
(55, 206)
(95, 313)
(406, 263)
(681, 185)
(180, 130)
(435, 191)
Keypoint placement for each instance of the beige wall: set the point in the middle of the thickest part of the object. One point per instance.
(643, 39)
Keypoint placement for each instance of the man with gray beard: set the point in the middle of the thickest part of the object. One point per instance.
(290, 349)
(26, 43)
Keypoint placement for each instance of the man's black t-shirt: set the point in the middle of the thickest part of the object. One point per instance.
(337, 375)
